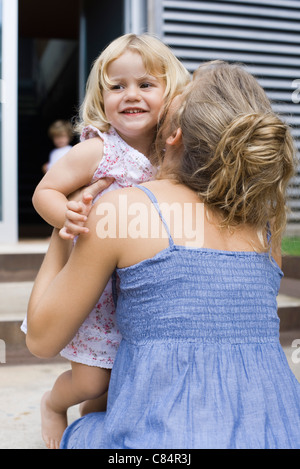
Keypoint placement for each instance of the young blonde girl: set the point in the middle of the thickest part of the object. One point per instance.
(128, 93)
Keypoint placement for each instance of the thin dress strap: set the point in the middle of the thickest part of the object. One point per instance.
(156, 205)
(269, 234)
(269, 237)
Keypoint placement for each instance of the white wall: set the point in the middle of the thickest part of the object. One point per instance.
(9, 182)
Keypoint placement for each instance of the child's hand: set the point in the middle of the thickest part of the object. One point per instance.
(76, 216)
(78, 210)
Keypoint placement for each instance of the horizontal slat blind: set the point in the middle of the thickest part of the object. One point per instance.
(262, 34)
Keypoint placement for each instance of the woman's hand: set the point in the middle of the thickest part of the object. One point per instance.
(79, 207)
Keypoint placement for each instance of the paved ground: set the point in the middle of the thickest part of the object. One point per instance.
(21, 387)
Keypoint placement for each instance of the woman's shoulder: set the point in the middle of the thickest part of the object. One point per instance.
(122, 202)
(126, 199)
(118, 196)
(136, 190)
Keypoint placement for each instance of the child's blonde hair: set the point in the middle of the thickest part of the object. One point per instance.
(158, 60)
(239, 155)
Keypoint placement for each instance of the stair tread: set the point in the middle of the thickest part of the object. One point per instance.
(14, 298)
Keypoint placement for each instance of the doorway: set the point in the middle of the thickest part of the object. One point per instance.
(48, 90)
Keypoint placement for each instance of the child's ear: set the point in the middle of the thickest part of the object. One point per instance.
(175, 138)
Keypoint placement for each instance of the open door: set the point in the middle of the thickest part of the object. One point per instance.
(48, 91)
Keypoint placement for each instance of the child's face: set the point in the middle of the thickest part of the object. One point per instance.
(133, 103)
(61, 140)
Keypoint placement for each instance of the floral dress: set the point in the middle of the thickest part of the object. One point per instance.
(97, 340)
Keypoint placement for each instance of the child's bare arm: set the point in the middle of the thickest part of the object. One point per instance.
(72, 171)
(79, 207)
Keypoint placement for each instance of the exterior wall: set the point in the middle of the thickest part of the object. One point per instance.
(262, 34)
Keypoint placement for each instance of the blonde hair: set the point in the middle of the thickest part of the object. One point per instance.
(158, 60)
(60, 127)
(239, 155)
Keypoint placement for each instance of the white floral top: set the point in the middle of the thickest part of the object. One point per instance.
(126, 164)
(98, 338)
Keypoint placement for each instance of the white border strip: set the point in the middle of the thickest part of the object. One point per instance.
(9, 224)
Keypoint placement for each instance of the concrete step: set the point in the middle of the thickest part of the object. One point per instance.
(21, 261)
(19, 264)
(14, 298)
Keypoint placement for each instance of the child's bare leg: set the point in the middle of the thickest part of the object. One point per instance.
(94, 405)
(71, 388)
(54, 413)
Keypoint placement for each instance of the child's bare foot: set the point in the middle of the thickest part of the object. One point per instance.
(53, 423)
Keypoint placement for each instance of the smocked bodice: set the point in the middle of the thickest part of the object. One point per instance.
(219, 296)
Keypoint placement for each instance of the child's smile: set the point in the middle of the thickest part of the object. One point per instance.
(133, 111)
(134, 100)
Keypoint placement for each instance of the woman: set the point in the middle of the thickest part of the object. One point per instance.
(200, 364)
